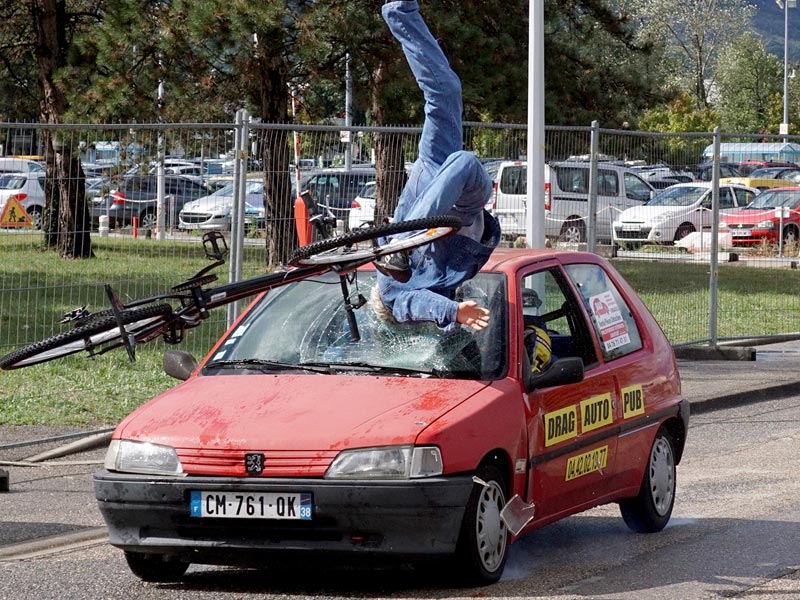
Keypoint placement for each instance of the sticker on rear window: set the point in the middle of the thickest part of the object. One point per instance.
(606, 313)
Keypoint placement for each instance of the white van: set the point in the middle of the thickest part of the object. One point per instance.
(20, 165)
(567, 198)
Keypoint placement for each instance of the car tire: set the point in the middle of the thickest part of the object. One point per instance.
(683, 230)
(35, 213)
(155, 567)
(148, 220)
(482, 547)
(790, 235)
(650, 511)
(573, 231)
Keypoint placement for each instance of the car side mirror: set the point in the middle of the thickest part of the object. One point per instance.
(179, 364)
(561, 372)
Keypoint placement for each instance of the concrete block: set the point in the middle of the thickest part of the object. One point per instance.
(715, 353)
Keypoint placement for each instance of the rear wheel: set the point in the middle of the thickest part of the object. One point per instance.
(483, 541)
(155, 567)
(148, 221)
(650, 511)
(103, 332)
(573, 231)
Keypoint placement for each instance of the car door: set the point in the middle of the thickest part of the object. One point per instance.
(571, 452)
(705, 214)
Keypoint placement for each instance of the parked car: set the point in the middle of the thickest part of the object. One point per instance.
(9, 164)
(772, 213)
(676, 212)
(705, 171)
(28, 189)
(137, 196)
(566, 198)
(214, 211)
(336, 188)
(758, 183)
(291, 439)
(748, 166)
(785, 173)
(362, 208)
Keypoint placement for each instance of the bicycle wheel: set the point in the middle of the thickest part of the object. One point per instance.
(343, 248)
(103, 332)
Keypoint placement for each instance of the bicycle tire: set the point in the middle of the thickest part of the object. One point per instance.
(85, 337)
(340, 249)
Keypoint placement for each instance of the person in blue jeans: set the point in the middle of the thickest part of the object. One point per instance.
(445, 180)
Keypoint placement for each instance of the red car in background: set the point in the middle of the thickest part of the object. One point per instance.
(772, 213)
(292, 440)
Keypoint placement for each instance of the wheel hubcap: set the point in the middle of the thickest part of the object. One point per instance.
(491, 532)
(662, 476)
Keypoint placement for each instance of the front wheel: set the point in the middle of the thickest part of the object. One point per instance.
(345, 248)
(482, 547)
(683, 230)
(103, 332)
(650, 511)
(790, 234)
(155, 567)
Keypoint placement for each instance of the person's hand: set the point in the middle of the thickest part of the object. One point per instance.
(472, 315)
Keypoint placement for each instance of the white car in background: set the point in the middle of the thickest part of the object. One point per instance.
(676, 212)
(27, 189)
(362, 207)
(214, 211)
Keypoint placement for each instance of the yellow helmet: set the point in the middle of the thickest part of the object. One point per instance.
(537, 344)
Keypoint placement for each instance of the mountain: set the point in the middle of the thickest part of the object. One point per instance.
(769, 22)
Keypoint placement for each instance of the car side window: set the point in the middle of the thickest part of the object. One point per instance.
(573, 179)
(548, 303)
(636, 188)
(743, 197)
(607, 183)
(726, 198)
(613, 322)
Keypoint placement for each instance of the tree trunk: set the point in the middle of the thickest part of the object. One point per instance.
(389, 155)
(273, 100)
(65, 186)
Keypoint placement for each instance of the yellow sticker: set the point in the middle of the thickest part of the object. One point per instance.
(632, 401)
(560, 425)
(596, 412)
(588, 462)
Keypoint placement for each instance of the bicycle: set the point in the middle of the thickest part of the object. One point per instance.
(144, 320)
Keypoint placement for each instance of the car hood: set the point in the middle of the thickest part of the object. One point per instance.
(752, 216)
(294, 412)
(209, 203)
(646, 214)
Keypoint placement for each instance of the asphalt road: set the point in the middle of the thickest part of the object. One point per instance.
(735, 533)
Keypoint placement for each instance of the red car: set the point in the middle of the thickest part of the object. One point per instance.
(772, 213)
(292, 440)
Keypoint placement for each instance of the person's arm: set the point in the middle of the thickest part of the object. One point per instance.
(424, 305)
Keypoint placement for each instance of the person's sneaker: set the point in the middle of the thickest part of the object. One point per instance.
(395, 265)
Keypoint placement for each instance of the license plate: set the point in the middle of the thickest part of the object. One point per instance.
(233, 505)
(740, 232)
(631, 227)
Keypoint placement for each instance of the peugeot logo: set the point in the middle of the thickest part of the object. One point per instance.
(253, 463)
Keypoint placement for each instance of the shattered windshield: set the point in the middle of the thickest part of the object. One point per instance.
(303, 326)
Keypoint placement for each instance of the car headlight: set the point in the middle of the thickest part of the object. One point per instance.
(388, 462)
(723, 225)
(765, 224)
(128, 456)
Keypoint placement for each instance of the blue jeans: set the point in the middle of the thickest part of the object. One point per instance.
(444, 181)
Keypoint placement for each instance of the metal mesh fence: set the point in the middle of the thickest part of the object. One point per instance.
(151, 190)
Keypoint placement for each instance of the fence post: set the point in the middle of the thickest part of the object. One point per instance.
(237, 209)
(591, 224)
(714, 261)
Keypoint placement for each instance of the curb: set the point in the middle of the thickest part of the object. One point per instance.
(774, 392)
(715, 353)
(54, 543)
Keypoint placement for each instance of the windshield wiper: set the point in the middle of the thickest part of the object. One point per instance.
(363, 366)
(264, 365)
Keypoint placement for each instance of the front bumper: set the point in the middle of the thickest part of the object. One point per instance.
(415, 518)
